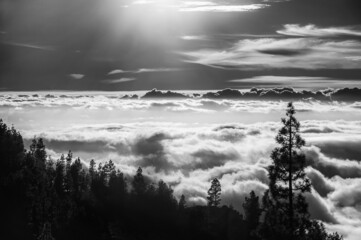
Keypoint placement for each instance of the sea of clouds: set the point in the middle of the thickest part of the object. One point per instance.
(189, 141)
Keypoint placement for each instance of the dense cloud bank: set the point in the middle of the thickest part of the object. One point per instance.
(283, 94)
(58, 108)
(287, 94)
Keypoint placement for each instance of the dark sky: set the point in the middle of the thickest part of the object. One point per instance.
(180, 44)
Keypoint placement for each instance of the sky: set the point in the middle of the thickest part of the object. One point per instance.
(128, 45)
(87, 75)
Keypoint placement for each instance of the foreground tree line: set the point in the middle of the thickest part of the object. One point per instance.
(45, 199)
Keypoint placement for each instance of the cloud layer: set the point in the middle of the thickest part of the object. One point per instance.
(205, 101)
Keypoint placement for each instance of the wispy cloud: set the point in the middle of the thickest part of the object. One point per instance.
(30, 45)
(116, 71)
(120, 80)
(301, 47)
(149, 70)
(194, 37)
(224, 8)
(268, 53)
(295, 82)
(143, 70)
(77, 76)
(204, 6)
(314, 31)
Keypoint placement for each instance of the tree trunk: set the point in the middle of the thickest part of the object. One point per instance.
(290, 195)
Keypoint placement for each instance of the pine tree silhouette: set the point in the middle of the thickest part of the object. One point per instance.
(214, 193)
(252, 212)
(59, 182)
(288, 180)
(182, 204)
(138, 184)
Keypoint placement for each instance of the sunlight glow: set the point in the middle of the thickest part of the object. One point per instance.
(163, 22)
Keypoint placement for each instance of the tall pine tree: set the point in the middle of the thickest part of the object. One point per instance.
(288, 181)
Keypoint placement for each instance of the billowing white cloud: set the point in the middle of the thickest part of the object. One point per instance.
(330, 166)
(349, 231)
(348, 194)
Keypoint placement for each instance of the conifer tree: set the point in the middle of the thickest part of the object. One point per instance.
(75, 170)
(138, 183)
(13, 198)
(40, 188)
(37, 148)
(11, 153)
(68, 177)
(108, 170)
(92, 173)
(252, 211)
(182, 204)
(214, 193)
(92, 168)
(117, 188)
(165, 196)
(288, 180)
(163, 190)
(60, 176)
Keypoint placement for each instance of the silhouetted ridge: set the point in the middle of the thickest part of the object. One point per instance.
(285, 94)
(347, 95)
(226, 93)
(134, 96)
(168, 94)
(273, 94)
